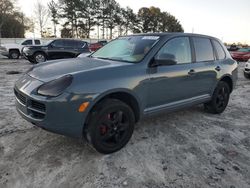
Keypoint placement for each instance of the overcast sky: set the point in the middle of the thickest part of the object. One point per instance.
(228, 20)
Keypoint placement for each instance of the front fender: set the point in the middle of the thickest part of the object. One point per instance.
(98, 97)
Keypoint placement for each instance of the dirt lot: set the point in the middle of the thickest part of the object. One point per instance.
(189, 148)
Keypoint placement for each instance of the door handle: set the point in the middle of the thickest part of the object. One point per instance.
(218, 68)
(191, 72)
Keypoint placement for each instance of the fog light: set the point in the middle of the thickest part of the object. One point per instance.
(83, 107)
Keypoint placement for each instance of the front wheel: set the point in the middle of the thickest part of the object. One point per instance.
(110, 126)
(219, 100)
(39, 57)
(14, 54)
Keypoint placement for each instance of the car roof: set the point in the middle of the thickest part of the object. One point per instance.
(170, 34)
(69, 39)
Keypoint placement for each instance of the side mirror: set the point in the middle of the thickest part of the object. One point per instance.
(165, 59)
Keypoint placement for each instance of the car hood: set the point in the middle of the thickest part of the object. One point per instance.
(54, 69)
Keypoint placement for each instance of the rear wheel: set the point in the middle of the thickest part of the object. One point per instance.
(14, 54)
(219, 100)
(110, 126)
(39, 57)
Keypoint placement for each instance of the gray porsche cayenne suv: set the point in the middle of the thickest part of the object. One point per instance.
(102, 96)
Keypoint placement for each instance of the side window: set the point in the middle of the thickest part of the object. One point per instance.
(179, 48)
(27, 42)
(220, 52)
(37, 42)
(203, 49)
(58, 43)
(81, 44)
(69, 43)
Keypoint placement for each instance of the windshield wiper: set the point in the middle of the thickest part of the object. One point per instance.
(106, 58)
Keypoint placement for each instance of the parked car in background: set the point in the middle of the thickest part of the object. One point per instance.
(233, 47)
(247, 69)
(55, 49)
(243, 54)
(95, 46)
(102, 96)
(13, 50)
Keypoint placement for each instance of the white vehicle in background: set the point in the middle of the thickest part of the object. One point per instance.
(247, 69)
(13, 51)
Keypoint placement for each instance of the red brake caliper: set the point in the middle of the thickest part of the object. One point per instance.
(103, 128)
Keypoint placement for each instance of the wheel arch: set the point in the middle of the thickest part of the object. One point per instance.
(123, 95)
(14, 49)
(228, 79)
(40, 51)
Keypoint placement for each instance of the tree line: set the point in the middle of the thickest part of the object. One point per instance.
(78, 18)
(13, 23)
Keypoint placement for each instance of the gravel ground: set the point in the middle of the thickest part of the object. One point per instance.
(188, 148)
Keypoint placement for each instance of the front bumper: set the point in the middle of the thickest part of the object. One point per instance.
(28, 54)
(4, 53)
(28, 57)
(58, 114)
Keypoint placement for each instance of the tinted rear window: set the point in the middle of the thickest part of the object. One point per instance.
(37, 42)
(203, 49)
(220, 52)
(81, 44)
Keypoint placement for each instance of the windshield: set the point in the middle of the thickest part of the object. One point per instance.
(130, 49)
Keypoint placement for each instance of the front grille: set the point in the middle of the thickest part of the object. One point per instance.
(35, 109)
(20, 97)
(38, 105)
(37, 115)
(247, 69)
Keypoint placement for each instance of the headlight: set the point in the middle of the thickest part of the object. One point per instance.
(55, 87)
(3, 48)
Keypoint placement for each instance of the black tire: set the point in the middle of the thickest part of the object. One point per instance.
(247, 75)
(14, 54)
(39, 57)
(219, 100)
(110, 126)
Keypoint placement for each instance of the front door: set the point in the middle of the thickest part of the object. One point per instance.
(56, 49)
(173, 84)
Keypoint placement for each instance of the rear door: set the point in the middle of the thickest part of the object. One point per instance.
(206, 67)
(70, 48)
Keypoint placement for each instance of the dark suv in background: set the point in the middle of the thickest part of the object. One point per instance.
(55, 49)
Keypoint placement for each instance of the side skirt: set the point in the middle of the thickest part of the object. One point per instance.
(173, 106)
